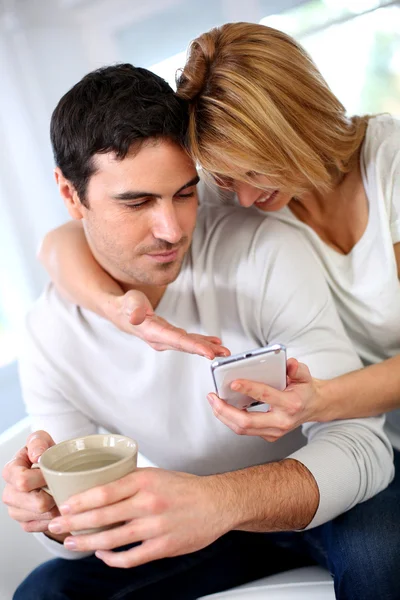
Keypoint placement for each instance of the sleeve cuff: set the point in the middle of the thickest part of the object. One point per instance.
(337, 479)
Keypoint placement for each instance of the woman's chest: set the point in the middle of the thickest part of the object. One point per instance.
(368, 301)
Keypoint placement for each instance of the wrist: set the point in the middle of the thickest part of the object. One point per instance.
(224, 501)
(326, 408)
(109, 306)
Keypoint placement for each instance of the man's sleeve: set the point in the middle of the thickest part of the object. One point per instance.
(351, 460)
(47, 406)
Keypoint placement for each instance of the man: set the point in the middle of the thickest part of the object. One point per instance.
(206, 519)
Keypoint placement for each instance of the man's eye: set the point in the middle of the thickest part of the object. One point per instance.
(137, 205)
(183, 196)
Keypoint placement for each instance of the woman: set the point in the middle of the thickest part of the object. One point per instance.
(264, 124)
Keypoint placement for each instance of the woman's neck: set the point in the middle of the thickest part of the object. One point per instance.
(340, 216)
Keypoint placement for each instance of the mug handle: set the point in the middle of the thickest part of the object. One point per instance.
(44, 487)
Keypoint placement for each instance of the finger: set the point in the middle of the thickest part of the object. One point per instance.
(213, 340)
(127, 533)
(136, 306)
(20, 460)
(147, 551)
(272, 435)
(108, 494)
(99, 517)
(291, 367)
(37, 443)
(22, 516)
(36, 501)
(140, 506)
(268, 434)
(240, 419)
(218, 349)
(243, 422)
(19, 474)
(137, 315)
(35, 526)
(194, 344)
(301, 375)
(260, 391)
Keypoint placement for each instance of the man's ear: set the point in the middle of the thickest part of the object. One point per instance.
(69, 195)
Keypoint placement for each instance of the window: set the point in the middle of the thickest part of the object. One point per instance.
(355, 44)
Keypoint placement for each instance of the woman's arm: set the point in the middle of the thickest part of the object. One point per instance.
(364, 393)
(66, 256)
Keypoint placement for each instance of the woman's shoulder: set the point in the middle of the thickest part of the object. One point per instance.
(382, 139)
(380, 160)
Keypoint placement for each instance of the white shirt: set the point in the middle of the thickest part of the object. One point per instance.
(365, 283)
(247, 280)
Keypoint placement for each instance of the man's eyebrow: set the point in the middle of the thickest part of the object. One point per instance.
(132, 195)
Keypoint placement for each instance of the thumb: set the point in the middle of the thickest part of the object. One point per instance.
(297, 372)
(37, 443)
(136, 306)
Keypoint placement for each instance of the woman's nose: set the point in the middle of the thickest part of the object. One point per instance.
(246, 193)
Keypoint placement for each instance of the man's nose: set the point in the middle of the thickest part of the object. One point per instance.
(166, 225)
(246, 193)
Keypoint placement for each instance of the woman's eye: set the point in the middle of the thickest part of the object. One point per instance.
(224, 182)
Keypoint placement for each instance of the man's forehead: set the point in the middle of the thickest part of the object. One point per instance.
(156, 167)
(143, 154)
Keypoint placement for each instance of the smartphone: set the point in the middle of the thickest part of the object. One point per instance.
(264, 365)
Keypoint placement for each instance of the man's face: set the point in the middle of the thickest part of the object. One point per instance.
(142, 213)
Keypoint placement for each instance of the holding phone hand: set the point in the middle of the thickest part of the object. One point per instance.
(27, 503)
(297, 404)
(134, 314)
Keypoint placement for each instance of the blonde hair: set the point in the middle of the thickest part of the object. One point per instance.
(258, 103)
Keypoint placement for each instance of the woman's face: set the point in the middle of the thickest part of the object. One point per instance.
(267, 199)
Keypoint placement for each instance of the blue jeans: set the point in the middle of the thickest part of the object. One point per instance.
(360, 548)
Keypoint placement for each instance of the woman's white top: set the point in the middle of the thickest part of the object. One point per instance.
(365, 282)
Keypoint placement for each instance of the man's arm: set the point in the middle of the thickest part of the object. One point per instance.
(279, 496)
(50, 412)
(173, 513)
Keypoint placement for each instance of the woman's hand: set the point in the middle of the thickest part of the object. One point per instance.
(297, 404)
(134, 314)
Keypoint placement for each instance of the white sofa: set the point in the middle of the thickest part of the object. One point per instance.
(20, 552)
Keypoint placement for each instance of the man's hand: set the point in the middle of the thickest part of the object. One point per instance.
(27, 503)
(134, 314)
(171, 513)
(299, 403)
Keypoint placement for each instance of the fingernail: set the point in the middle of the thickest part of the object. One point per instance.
(210, 399)
(99, 554)
(55, 528)
(65, 509)
(235, 386)
(70, 544)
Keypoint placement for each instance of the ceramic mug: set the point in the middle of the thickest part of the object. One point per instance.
(77, 465)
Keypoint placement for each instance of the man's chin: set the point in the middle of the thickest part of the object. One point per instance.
(163, 274)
